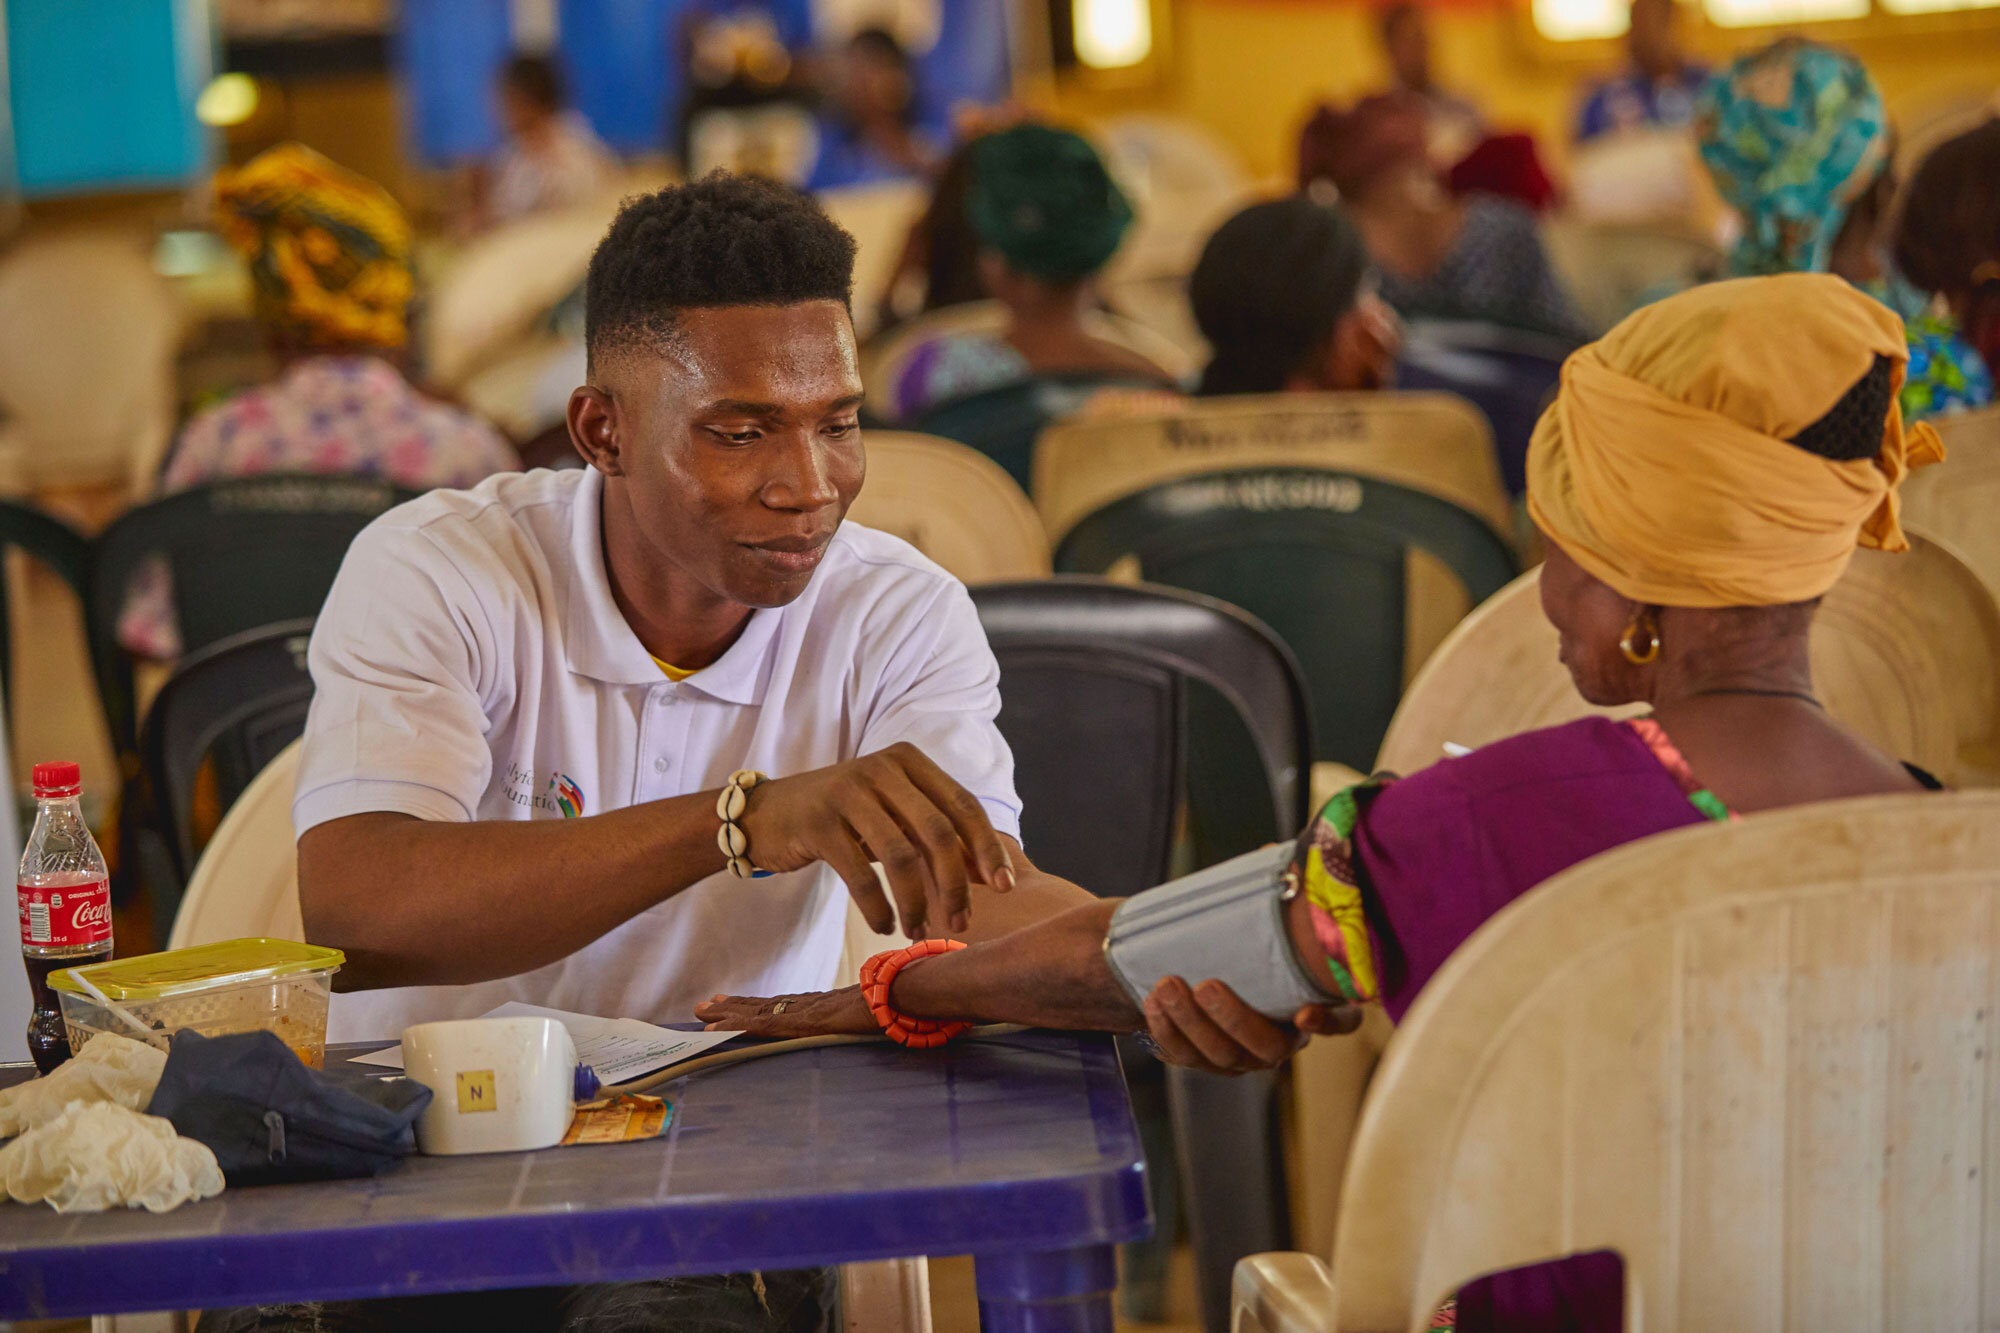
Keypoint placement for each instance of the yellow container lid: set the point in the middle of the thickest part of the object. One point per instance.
(156, 976)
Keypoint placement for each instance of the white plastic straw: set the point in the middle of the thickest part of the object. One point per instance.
(90, 989)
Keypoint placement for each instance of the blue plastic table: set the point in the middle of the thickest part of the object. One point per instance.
(1019, 1150)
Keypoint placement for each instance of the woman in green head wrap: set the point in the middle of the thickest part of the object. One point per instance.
(1048, 218)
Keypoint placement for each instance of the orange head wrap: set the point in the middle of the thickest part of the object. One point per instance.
(1663, 466)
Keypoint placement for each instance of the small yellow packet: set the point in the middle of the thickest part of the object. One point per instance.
(624, 1118)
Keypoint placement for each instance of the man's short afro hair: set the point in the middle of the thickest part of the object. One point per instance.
(720, 241)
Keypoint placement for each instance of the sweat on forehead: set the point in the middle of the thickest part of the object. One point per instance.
(720, 241)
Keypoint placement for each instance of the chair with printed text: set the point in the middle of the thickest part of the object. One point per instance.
(1360, 527)
(1752, 1059)
(1098, 684)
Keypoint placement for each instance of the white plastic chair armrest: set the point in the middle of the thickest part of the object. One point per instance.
(1282, 1292)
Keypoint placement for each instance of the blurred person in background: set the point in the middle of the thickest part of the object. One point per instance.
(1657, 90)
(329, 259)
(869, 132)
(1048, 217)
(552, 158)
(1283, 294)
(1948, 243)
(1798, 142)
(939, 264)
(1453, 123)
(1474, 258)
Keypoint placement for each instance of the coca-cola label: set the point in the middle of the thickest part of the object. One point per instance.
(60, 916)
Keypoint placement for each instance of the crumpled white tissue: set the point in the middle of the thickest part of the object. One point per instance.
(109, 1068)
(98, 1155)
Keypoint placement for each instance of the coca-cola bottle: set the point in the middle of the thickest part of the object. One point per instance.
(65, 898)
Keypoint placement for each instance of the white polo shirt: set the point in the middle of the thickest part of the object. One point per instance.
(470, 664)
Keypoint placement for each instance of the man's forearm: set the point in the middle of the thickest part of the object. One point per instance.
(421, 902)
(1050, 974)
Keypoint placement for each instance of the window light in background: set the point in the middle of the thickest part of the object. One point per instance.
(1577, 20)
(229, 99)
(1934, 6)
(1113, 34)
(1748, 13)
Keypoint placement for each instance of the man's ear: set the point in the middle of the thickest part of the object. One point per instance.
(593, 429)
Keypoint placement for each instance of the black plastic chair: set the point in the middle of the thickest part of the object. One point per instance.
(1098, 682)
(245, 553)
(47, 541)
(1319, 555)
(1004, 423)
(231, 706)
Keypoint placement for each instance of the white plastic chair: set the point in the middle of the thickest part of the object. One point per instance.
(954, 504)
(879, 217)
(247, 883)
(500, 283)
(1954, 502)
(1906, 651)
(86, 361)
(1184, 181)
(1751, 1058)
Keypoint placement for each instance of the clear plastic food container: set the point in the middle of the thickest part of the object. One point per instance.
(277, 986)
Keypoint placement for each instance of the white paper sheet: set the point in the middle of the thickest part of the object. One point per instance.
(619, 1049)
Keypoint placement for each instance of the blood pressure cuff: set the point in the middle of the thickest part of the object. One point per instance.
(1226, 922)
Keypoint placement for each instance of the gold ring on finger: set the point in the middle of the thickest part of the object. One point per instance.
(779, 1008)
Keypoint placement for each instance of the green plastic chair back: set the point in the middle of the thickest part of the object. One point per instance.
(1319, 556)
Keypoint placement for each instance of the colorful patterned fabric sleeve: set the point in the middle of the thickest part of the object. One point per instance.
(1325, 870)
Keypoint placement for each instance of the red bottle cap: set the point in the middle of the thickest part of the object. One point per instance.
(59, 779)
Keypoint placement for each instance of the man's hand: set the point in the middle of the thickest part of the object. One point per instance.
(894, 806)
(1208, 1027)
(809, 1015)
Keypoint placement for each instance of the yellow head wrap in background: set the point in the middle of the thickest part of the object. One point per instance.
(1663, 465)
(329, 251)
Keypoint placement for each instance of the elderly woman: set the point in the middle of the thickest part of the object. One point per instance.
(1048, 218)
(1702, 479)
(1797, 141)
(1479, 257)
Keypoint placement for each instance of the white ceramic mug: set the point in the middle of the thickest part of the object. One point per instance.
(497, 1084)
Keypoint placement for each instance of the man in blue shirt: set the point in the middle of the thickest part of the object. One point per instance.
(1660, 87)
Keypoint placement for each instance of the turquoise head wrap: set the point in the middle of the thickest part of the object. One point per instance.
(1043, 200)
(1792, 134)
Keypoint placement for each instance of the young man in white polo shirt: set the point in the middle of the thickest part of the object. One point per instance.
(529, 695)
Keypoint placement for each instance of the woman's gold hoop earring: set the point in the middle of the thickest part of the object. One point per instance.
(1642, 623)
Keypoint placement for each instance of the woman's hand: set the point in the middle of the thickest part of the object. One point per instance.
(809, 1015)
(1207, 1027)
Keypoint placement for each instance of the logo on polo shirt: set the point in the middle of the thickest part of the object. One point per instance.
(569, 796)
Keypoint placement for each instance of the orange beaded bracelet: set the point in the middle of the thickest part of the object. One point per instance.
(877, 974)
